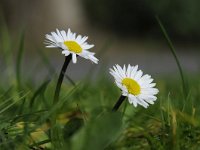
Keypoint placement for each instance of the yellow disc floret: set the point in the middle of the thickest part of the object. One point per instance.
(73, 46)
(132, 86)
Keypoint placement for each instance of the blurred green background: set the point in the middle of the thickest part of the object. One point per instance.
(138, 17)
(125, 30)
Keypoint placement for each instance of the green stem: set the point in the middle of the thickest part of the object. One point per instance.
(60, 79)
(119, 102)
(54, 129)
(174, 54)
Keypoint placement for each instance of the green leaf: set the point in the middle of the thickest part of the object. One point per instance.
(72, 127)
(99, 132)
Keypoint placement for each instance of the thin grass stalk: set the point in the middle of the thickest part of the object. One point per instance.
(19, 60)
(172, 49)
(40, 90)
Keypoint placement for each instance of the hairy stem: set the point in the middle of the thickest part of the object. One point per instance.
(119, 102)
(60, 79)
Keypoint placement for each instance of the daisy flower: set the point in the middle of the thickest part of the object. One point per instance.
(137, 87)
(70, 44)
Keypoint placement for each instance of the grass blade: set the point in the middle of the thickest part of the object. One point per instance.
(10, 105)
(7, 101)
(38, 91)
(46, 61)
(171, 46)
(19, 60)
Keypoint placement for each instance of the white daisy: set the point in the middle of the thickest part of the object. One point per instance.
(137, 87)
(70, 44)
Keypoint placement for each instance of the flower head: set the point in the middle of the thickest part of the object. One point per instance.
(137, 87)
(70, 44)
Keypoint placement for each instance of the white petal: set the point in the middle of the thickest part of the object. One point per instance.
(83, 39)
(87, 46)
(78, 39)
(64, 35)
(120, 70)
(116, 75)
(88, 55)
(132, 100)
(134, 70)
(128, 72)
(74, 36)
(152, 91)
(59, 34)
(124, 69)
(74, 59)
(148, 97)
(51, 46)
(147, 85)
(69, 34)
(49, 37)
(65, 52)
(142, 102)
(138, 75)
(56, 37)
(124, 93)
(93, 59)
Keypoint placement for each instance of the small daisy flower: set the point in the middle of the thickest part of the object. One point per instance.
(137, 87)
(70, 44)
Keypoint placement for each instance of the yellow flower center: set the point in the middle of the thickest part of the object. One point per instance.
(73, 46)
(132, 86)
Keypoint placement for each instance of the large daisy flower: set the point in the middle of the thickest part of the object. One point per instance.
(70, 44)
(137, 87)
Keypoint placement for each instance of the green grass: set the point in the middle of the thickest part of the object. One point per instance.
(84, 117)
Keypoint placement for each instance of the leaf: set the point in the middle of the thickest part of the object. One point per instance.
(99, 132)
(72, 127)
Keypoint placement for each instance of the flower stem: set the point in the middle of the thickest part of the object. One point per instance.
(60, 79)
(119, 102)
